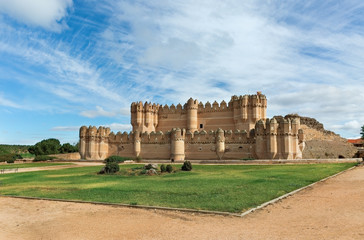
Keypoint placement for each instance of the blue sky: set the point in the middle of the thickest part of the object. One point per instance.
(68, 63)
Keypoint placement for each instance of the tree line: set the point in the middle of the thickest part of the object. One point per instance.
(52, 146)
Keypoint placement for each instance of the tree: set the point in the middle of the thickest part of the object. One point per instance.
(362, 132)
(48, 146)
(68, 148)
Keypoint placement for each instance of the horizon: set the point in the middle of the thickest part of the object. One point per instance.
(69, 63)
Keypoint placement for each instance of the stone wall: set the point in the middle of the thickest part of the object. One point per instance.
(321, 143)
(270, 139)
(67, 156)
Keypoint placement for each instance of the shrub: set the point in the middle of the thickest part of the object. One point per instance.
(169, 168)
(116, 159)
(10, 161)
(187, 166)
(9, 157)
(112, 167)
(39, 158)
(163, 168)
(138, 159)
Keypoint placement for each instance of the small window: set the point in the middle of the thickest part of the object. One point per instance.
(201, 125)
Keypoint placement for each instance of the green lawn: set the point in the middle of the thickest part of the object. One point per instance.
(231, 188)
(29, 165)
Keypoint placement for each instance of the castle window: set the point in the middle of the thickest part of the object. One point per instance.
(201, 125)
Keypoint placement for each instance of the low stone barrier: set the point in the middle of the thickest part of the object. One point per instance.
(67, 156)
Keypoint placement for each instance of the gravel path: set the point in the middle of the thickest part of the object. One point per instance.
(329, 210)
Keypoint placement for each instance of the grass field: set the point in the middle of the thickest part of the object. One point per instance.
(231, 188)
(29, 165)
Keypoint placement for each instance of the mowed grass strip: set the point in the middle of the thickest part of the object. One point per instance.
(229, 188)
(30, 165)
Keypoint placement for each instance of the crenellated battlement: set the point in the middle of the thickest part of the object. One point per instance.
(241, 112)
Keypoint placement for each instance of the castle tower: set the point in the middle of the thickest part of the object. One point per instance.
(91, 152)
(260, 146)
(295, 127)
(103, 134)
(137, 147)
(220, 143)
(287, 139)
(144, 118)
(248, 109)
(192, 107)
(272, 140)
(177, 144)
(82, 149)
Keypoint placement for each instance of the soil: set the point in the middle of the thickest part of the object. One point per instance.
(328, 210)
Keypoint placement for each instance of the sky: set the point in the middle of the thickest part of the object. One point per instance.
(68, 63)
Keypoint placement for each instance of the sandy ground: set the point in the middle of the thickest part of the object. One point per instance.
(56, 167)
(329, 210)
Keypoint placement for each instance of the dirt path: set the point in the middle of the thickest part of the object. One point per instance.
(56, 167)
(329, 210)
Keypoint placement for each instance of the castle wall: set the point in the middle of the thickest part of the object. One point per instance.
(271, 139)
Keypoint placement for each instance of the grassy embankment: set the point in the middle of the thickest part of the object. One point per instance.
(231, 188)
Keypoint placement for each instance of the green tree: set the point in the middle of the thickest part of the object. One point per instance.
(47, 146)
(68, 148)
(362, 132)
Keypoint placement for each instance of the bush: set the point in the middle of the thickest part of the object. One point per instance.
(187, 166)
(163, 168)
(169, 168)
(9, 157)
(112, 167)
(138, 159)
(10, 161)
(43, 158)
(116, 159)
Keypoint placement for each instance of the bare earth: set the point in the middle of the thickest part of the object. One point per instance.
(330, 210)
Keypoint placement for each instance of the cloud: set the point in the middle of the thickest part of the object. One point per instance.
(113, 126)
(65, 128)
(8, 103)
(48, 14)
(100, 112)
(119, 127)
(353, 126)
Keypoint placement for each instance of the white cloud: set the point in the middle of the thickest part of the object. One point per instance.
(65, 128)
(119, 127)
(8, 103)
(99, 112)
(48, 14)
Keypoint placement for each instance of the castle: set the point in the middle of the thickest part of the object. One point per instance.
(235, 130)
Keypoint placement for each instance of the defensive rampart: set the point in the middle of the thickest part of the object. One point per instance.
(268, 139)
